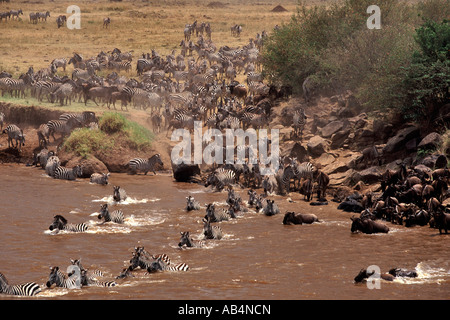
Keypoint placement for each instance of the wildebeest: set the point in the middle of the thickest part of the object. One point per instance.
(368, 226)
(442, 220)
(299, 218)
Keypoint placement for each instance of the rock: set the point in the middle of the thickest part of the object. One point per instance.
(295, 150)
(430, 141)
(351, 109)
(396, 145)
(316, 146)
(325, 159)
(89, 165)
(332, 128)
(441, 162)
(368, 176)
(338, 139)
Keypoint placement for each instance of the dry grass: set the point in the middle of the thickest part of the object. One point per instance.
(135, 25)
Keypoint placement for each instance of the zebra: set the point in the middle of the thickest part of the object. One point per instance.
(284, 178)
(99, 178)
(211, 232)
(299, 121)
(88, 278)
(120, 65)
(44, 87)
(214, 215)
(43, 135)
(61, 280)
(15, 87)
(60, 63)
(42, 157)
(84, 118)
(221, 178)
(14, 132)
(28, 289)
(52, 163)
(158, 264)
(303, 170)
(144, 261)
(60, 223)
(192, 204)
(186, 240)
(145, 165)
(115, 216)
(43, 15)
(143, 65)
(64, 173)
(16, 13)
(119, 194)
(271, 208)
(62, 127)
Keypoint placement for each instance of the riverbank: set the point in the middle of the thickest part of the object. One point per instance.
(350, 146)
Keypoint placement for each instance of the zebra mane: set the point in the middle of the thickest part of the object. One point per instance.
(60, 218)
(3, 281)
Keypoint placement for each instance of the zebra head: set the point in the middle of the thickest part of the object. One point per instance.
(156, 265)
(58, 223)
(54, 277)
(185, 239)
(211, 180)
(103, 211)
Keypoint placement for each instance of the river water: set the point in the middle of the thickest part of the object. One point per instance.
(258, 258)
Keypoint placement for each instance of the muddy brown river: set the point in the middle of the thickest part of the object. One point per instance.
(258, 258)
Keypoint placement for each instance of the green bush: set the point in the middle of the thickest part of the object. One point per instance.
(84, 142)
(334, 47)
(427, 79)
(114, 129)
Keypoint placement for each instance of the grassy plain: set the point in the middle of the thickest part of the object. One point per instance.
(137, 26)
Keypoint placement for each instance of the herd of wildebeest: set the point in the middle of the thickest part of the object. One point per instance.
(182, 88)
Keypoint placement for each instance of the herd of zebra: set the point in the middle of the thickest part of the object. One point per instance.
(198, 83)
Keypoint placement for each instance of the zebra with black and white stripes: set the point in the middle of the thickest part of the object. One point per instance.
(84, 118)
(299, 122)
(143, 65)
(145, 165)
(60, 223)
(2, 120)
(43, 88)
(304, 170)
(62, 280)
(62, 127)
(116, 216)
(64, 173)
(89, 278)
(186, 240)
(14, 133)
(159, 265)
(60, 63)
(284, 178)
(221, 178)
(141, 259)
(216, 215)
(26, 289)
(211, 232)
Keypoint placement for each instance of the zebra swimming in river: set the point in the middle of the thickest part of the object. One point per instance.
(115, 216)
(60, 223)
(26, 289)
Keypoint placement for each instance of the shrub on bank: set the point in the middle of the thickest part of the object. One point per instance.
(114, 130)
(333, 46)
